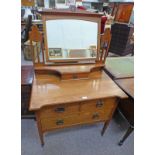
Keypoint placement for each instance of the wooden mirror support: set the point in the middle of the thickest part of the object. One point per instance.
(68, 69)
(37, 37)
(105, 42)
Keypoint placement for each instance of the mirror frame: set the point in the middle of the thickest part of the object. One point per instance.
(54, 14)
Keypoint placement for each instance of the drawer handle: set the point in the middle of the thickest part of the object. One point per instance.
(60, 109)
(99, 104)
(60, 122)
(95, 116)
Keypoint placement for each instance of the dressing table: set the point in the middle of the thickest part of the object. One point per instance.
(69, 86)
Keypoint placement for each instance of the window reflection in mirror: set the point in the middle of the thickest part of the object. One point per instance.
(71, 39)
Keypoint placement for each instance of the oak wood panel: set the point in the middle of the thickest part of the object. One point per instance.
(69, 91)
(50, 123)
(63, 110)
(104, 105)
(68, 69)
(53, 76)
(93, 116)
(59, 110)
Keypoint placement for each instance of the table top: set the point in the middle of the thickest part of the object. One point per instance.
(50, 90)
(120, 67)
(27, 74)
(127, 85)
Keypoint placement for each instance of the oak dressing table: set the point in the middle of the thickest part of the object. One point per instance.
(69, 91)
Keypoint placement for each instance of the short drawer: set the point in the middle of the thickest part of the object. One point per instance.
(93, 117)
(59, 110)
(103, 105)
(82, 118)
(49, 123)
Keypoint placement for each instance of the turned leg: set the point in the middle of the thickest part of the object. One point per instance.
(105, 127)
(129, 131)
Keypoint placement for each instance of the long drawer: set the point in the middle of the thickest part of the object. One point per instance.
(50, 123)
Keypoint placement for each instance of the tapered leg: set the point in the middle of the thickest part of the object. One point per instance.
(41, 137)
(105, 127)
(40, 131)
(129, 131)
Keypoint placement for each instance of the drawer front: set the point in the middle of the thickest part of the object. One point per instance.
(59, 110)
(104, 105)
(93, 117)
(49, 123)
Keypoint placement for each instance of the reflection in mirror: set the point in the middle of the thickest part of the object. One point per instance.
(71, 39)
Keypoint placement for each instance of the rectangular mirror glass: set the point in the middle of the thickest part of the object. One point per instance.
(71, 39)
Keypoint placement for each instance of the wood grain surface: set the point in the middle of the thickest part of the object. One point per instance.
(68, 69)
(48, 90)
